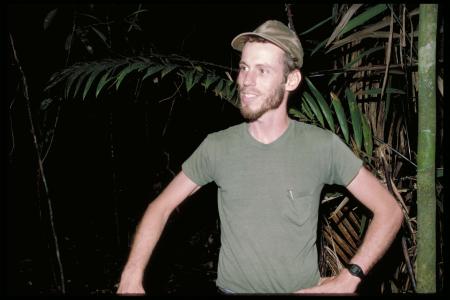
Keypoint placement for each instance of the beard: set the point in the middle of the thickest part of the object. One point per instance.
(272, 101)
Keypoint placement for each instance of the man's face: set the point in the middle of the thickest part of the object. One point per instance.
(260, 80)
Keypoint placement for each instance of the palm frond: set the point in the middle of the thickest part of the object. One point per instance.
(157, 67)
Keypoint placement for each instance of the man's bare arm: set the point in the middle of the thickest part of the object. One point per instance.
(149, 231)
(386, 221)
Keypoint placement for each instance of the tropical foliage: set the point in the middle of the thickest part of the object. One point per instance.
(381, 93)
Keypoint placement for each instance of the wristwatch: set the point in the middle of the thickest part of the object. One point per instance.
(355, 270)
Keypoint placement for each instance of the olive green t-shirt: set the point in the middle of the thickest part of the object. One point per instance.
(268, 200)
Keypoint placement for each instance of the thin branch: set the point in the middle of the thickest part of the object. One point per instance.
(290, 19)
(41, 166)
(173, 95)
(171, 109)
(408, 263)
(53, 134)
(357, 69)
(393, 149)
(176, 57)
(388, 58)
(74, 27)
(13, 146)
(410, 14)
(405, 210)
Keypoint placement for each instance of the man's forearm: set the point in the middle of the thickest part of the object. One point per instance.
(379, 236)
(147, 235)
(150, 229)
(386, 221)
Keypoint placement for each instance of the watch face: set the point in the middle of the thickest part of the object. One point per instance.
(356, 270)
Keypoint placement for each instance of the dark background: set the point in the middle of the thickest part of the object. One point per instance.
(97, 199)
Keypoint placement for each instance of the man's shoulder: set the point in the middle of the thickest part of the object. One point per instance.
(311, 131)
(227, 133)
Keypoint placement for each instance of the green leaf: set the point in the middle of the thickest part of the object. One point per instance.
(362, 55)
(89, 70)
(46, 103)
(298, 114)
(94, 18)
(337, 32)
(68, 42)
(342, 119)
(127, 70)
(322, 103)
(188, 77)
(103, 81)
(79, 70)
(351, 63)
(210, 79)
(57, 77)
(367, 134)
(295, 112)
(228, 90)
(167, 70)
(377, 91)
(387, 103)
(364, 17)
(137, 12)
(92, 78)
(316, 26)
(146, 62)
(101, 35)
(219, 87)
(320, 45)
(307, 111)
(315, 108)
(355, 116)
(368, 31)
(192, 77)
(49, 18)
(152, 70)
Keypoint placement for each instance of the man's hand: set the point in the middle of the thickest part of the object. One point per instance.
(130, 286)
(344, 283)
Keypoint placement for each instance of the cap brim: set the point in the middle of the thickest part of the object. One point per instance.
(239, 41)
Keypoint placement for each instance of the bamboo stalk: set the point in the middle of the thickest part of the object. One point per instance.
(426, 186)
(344, 232)
(354, 220)
(349, 227)
(343, 244)
(338, 249)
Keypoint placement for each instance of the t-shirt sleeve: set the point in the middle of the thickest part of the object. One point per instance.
(199, 167)
(344, 165)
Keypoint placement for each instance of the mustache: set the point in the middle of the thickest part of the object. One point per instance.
(248, 90)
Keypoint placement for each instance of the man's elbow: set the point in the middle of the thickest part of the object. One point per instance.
(396, 214)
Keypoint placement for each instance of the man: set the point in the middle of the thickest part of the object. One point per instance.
(270, 171)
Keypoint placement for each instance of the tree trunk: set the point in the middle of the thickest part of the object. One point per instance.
(426, 191)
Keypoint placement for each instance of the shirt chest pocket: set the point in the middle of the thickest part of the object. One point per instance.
(297, 206)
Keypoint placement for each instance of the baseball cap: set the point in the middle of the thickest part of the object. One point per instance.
(277, 33)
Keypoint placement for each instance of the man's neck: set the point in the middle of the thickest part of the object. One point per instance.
(269, 127)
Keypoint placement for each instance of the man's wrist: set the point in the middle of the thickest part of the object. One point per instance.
(349, 279)
(355, 270)
(133, 272)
